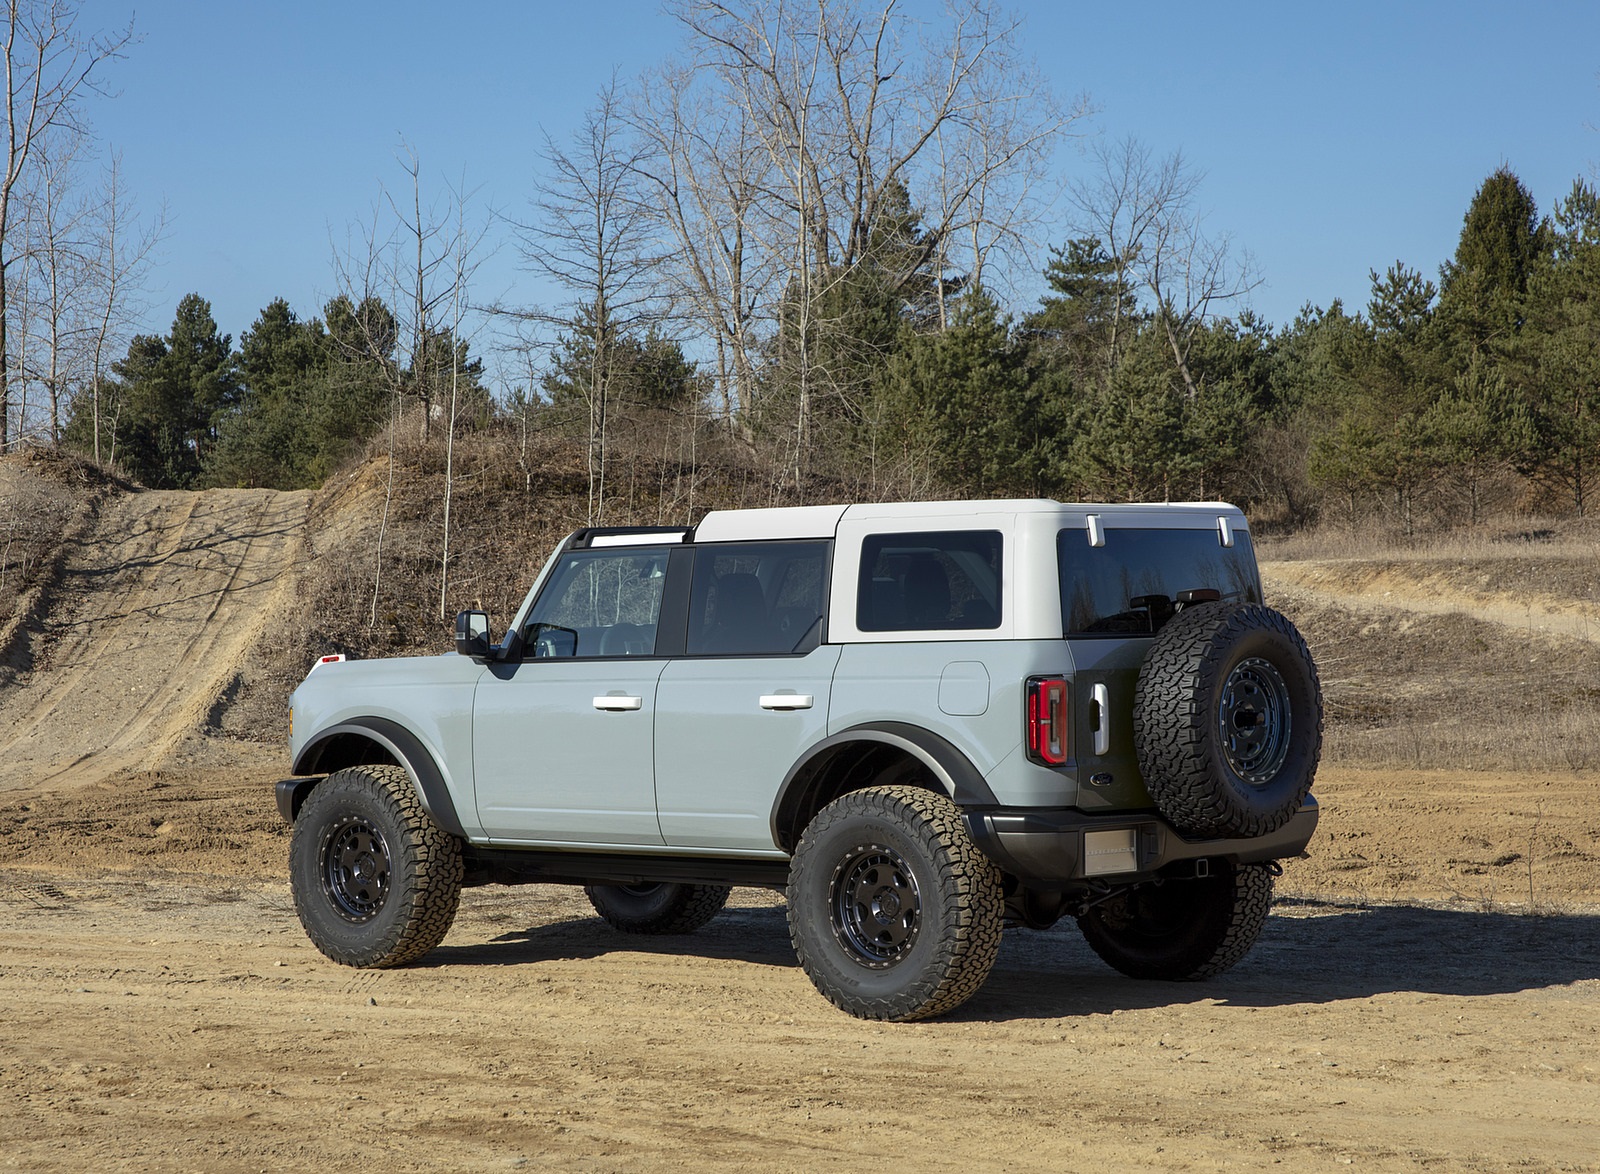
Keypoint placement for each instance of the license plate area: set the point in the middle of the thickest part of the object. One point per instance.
(1109, 852)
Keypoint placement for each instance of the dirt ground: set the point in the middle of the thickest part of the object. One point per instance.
(1426, 995)
(164, 1011)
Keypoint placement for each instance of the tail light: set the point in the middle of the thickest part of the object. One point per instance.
(1048, 715)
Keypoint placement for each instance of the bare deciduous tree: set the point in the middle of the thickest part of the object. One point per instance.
(49, 67)
(592, 236)
(840, 109)
(423, 259)
(1143, 211)
(120, 254)
(75, 291)
(706, 171)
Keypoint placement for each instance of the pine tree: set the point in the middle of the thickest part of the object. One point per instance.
(1483, 288)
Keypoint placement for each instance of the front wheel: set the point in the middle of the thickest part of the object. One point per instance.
(376, 882)
(893, 911)
(657, 908)
(1182, 929)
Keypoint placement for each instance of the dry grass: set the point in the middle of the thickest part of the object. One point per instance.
(1416, 674)
(1507, 537)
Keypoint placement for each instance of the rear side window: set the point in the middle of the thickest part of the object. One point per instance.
(757, 598)
(1129, 586)
(929, 581)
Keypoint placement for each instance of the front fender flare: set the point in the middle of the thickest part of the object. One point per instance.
(951, 770)
(404, 747)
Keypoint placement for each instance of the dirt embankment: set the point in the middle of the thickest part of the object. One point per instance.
(156, 610)
(164, 1012)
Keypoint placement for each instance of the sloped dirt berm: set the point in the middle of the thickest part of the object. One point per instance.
(158, 604)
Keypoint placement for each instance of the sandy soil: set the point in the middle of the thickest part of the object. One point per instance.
(1426, 995)
(159, 608)
(177, 1019)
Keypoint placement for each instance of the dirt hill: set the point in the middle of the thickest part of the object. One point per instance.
(163, 602)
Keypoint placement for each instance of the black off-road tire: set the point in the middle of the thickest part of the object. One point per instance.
(1227, 720)
(1182, 930)
(659, 908)
(376, 882)
(894, 913)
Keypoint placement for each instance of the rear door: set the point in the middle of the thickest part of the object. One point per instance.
(750, 692)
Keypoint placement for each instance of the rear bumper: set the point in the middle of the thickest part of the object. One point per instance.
(1063, 848)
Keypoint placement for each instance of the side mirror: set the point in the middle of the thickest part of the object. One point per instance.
(472, 634)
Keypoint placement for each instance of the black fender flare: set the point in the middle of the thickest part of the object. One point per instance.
(951, 770)
(404, 747)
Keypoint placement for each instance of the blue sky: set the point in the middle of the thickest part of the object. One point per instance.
(1334, 138)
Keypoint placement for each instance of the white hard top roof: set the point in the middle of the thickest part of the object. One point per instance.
(822, 521)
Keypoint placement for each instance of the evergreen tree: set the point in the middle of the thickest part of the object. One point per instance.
(1559, 356)
(174, 395)
(272, 437)
(1077, 323)
(647, 370)
(1502, 242)
(965, 395)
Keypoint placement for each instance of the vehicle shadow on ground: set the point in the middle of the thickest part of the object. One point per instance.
(759, 936)
(1309, 953)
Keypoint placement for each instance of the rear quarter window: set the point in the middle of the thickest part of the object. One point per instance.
(1128, 586)
(939, 580)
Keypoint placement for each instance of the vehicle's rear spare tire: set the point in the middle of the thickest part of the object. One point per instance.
(657, 908)
(1227, 720)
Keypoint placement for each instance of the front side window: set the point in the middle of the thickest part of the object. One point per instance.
(930, 581)
(600, 603)
(757, 598)
(1132, 584)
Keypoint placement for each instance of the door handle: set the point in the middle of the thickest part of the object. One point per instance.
(618, 704)
(786, 700)
(1100, 700)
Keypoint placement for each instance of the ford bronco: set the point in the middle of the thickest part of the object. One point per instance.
(922, 722)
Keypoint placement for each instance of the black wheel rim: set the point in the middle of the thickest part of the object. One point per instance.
(355, 869)
(1253, 718)
(875, 906)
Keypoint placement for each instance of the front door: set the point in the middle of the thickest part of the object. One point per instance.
(563, 743)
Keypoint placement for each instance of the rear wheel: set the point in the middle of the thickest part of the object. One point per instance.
(1179, 930)
(376, 882)
(657, 908)
(893, 911)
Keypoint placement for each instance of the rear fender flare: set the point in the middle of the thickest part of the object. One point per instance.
(948, 768)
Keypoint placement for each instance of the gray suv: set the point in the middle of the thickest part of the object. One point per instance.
(921, 721)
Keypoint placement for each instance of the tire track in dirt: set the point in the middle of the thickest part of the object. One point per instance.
(157, 610)
(1390, 592)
